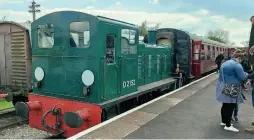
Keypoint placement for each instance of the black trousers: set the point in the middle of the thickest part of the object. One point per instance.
(227, 110)
(218, 66)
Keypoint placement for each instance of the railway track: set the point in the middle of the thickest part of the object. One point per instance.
(8, 119)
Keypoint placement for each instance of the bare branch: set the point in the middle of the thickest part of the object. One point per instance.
(245, 43)
(4, 18)
(219, 35)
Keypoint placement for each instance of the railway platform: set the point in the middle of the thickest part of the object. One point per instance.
(190, 112)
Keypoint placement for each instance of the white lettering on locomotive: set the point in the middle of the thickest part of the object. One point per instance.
(128, 83)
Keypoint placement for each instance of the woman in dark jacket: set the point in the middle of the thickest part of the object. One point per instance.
(218, 60)
(246, 64)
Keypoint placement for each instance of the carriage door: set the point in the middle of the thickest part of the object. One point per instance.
(196, 49)
(5, 59)
(110, 73)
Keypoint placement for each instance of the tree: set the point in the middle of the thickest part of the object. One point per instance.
(219, 35)
(157, 26)
(3, 18)
(245, 43)
(231, 43)
(215, 38)
(143, 28)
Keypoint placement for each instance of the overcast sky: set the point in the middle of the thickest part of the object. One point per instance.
(195, 16)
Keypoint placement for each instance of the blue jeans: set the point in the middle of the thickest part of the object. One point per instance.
(236, 110)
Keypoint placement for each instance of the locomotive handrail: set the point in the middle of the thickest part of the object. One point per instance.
(121, 76)
(9, 95)
(103, 76)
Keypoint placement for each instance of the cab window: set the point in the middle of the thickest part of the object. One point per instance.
(45, 36)
(128, 41)
(80, 34)
(110, 48)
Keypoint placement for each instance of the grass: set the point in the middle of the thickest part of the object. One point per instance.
(5, 104)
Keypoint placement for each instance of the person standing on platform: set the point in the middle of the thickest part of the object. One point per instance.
(218, 60)
(246, 64)
(247, 68)
(251, 129)
(224, 60)
(230, 55)
(231, 72)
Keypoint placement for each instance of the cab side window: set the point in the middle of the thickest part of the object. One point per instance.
(110, 49)
(80, 34)
(45, 34)
(128, 41)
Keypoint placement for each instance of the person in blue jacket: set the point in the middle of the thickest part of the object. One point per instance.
(231, 72)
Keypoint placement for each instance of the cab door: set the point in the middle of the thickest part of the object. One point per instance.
(111, 67)
(196, 49)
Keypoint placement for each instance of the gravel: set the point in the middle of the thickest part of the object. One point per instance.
(23, 132)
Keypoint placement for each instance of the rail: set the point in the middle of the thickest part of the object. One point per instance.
(9, 119)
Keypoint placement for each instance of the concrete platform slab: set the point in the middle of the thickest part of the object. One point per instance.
(161, 106)
(197, 117)
(115, 130)
(138, 118)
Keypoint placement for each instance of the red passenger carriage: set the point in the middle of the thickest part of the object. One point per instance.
(193, 55)
(204, 53)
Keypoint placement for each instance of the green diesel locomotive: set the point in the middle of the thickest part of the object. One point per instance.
(88, 68)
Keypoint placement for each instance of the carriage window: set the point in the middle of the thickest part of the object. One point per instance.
(208, 53)
(202, 53)
(213, 55)
(110, 48)
(80, 34)
(195, 50)
(128, 41)
(217, 52)
(45, 36)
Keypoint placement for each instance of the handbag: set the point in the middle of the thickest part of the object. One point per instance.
(232, 90)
